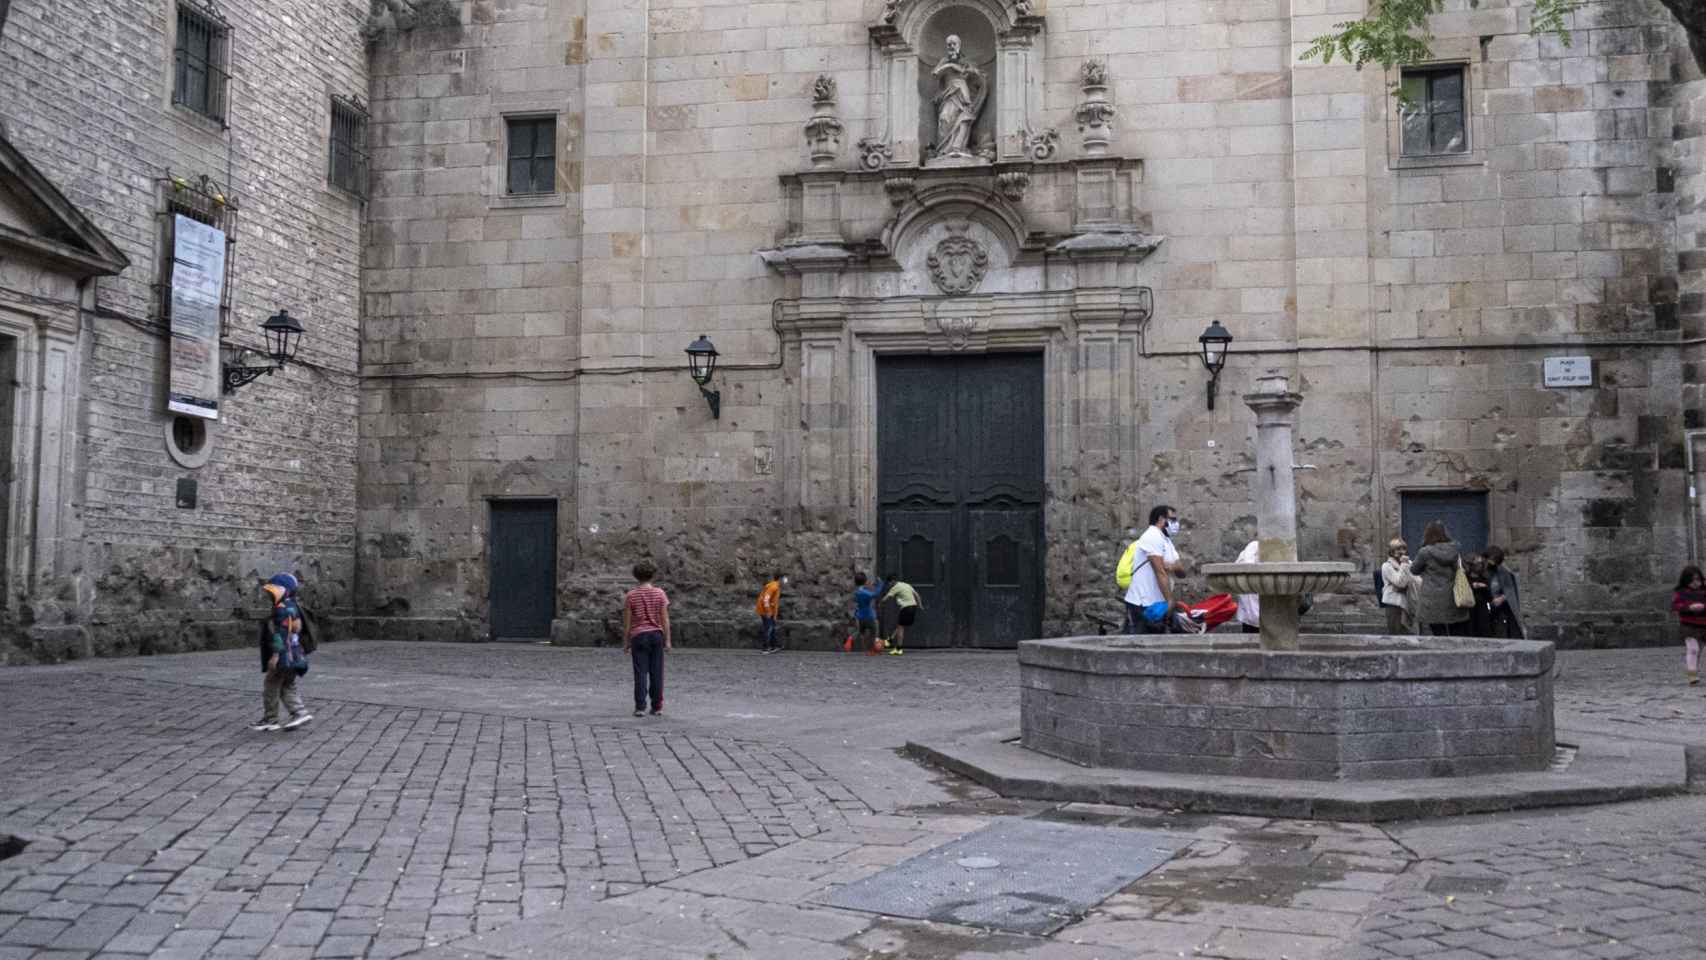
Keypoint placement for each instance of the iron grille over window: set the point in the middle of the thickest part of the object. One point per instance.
(199, 57)
(347, 167)
(1433, 113)
(532, 155)
(201, 200)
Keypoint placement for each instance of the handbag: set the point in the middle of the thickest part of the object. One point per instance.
(1461, 593)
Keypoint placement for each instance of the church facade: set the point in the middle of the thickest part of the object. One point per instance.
(955, 258)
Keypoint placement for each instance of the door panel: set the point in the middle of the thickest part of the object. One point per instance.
(960, 485)
(915, 432)
(523, 552)
(1000, 416)
(1005, 601)
(1464, 513)
(917, 544)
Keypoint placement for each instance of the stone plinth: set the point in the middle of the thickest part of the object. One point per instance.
(1337, 708)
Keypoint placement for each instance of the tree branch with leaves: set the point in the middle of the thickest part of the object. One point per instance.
(1395, 32)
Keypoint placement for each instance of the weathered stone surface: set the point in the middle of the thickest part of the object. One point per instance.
(134, 572)
(530, 346)
(1339, 708)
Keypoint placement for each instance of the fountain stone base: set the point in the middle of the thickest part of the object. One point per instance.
(1335, 708)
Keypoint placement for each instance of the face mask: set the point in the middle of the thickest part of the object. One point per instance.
(1172, 528)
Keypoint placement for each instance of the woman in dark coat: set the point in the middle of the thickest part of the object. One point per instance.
(1436, 566)
(1480, 583)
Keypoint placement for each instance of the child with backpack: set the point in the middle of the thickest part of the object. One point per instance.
(283, 657)
(1689, 602)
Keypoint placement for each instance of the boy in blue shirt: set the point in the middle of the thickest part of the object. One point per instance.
(865, 611)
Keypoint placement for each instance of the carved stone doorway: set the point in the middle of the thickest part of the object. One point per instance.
(960, 465)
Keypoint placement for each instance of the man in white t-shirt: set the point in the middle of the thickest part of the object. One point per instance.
(1152, 560)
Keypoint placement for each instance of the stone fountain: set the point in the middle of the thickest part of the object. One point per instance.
(1292, 707)
(1279, 578)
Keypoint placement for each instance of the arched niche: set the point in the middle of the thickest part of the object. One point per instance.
(955, 202)
(1001, 37)
(979, 52)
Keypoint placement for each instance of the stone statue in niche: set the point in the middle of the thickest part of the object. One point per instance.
(962, 92)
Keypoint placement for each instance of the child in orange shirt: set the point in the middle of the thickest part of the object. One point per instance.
(769, 605)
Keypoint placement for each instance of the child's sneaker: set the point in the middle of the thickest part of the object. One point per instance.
(298, 721)
(894, 651)
(266, 726)
(639, 713)
(1693, 678)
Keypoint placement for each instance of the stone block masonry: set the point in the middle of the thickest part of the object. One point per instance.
(531, 348)
(1342, 708)
(86, 93)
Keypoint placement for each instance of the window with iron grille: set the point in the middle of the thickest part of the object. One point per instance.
(532, 155)
(203, 201)
(1433, 112)
(346, 168)
(199, 61)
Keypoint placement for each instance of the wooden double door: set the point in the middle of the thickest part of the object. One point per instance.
(960, 493)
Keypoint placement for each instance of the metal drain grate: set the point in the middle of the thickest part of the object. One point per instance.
(1021, 876)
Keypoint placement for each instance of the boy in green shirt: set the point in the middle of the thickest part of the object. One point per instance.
(907, 597)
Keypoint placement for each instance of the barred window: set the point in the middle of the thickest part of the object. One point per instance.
(346, 168)
(199, 59)
(1433, 112)
(201, 200)
(532, 154)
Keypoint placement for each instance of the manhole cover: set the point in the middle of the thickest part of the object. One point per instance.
(1450, 884)
(1021, 876)
(11, 846)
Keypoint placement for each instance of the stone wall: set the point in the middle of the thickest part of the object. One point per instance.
(85, 93)
(1687, 102)
(537, 353)
(472, 309)
(1553, 236)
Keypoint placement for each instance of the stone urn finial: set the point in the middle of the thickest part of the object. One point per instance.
(823, 130)
(1095, 113)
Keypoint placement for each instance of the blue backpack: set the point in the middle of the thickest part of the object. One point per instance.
(294, 658)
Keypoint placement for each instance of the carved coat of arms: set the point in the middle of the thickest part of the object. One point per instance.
(958, 262)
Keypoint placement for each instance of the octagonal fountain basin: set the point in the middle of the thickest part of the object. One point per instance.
(1283, 578)
(1337, 708)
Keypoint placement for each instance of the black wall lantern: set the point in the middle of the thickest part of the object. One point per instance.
(1215, 342)
(284, 336)
(701, 363)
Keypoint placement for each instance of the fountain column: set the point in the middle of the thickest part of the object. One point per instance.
(1275, 406)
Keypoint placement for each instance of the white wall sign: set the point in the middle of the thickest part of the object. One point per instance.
(1569, 371)
(198, 280)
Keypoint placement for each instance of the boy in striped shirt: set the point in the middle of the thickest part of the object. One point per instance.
(645, 635)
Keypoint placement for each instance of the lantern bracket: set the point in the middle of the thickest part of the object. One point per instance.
(237, 374)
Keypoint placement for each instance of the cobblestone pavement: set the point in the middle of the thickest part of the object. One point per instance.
(498, 801)
(162, 825)
(1609, 883)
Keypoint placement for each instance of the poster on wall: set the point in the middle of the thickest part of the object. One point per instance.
(198, 282)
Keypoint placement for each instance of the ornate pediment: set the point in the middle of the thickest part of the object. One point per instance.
(960, 136)
(37, 220)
